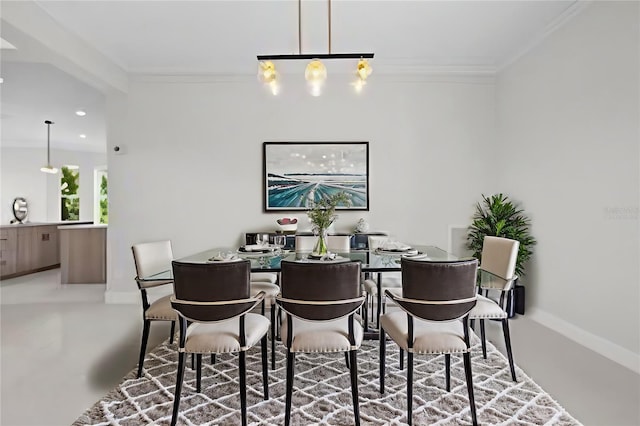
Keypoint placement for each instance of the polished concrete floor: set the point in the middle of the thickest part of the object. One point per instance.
(62, 349)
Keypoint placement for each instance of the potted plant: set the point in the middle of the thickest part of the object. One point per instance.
(322, 214)
(498, 216)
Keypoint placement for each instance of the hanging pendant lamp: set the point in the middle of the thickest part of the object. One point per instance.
(49, 168)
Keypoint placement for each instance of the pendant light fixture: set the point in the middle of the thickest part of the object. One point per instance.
(49, 168)
(315, 72)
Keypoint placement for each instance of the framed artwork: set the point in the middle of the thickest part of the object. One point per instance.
(299, 173)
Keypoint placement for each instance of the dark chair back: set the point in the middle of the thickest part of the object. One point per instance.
(211, 291)
(308, 288)
(438, 291)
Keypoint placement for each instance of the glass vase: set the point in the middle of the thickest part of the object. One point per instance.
(321, 244)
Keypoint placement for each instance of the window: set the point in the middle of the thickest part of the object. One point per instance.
(69, 189)
(101, 208)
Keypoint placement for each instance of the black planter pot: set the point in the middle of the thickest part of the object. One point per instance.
(515, 301)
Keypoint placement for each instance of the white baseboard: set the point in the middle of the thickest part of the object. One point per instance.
(604, 347)
(122, 297)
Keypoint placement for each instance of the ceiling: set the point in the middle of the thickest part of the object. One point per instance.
(224, 37)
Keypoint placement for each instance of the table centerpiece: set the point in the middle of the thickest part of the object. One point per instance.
(322, 214)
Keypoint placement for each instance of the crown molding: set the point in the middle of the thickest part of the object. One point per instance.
(569, 13)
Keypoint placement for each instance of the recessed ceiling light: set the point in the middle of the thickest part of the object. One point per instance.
(83, 136)
(80, 113)
(1, 80)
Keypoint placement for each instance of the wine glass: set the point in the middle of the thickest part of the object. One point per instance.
(279, 241)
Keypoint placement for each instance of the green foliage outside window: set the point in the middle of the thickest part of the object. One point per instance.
(69, 202)
(104, 206)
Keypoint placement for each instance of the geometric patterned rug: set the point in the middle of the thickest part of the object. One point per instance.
(322, 392)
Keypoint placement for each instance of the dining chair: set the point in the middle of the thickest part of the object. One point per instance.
(151, 258)
(498, 258)
(335, 243)
(215, 299)
(270, 291)
(305, 243)
(388, 280)
(320, 301)
(435, 296)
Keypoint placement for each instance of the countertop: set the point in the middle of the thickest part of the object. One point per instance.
(27, 224)
(86, 226)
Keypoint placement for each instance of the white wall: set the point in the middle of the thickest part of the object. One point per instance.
(21, 177)
(568, 125)
(192, 167)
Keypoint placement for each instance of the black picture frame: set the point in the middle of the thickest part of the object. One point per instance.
(296, 172)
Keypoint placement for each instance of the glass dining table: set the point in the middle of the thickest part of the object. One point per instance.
(269, 260)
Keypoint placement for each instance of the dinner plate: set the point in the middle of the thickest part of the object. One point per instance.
(397, 251)
(244, 249)
(217, 259)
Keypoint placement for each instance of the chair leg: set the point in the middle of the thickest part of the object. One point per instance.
(173, 331)
(179, 379)
(484, 339)
(143, 345)
(383, 350)
(213, 358)
(346, 359)
(273, 336)
(409, 388)
(467, 372)
(507, 343)
(193, 362)
(365, 313)
(289, 389)
(243, 387)
(401, 356)
(198, 372)
(379, 307)
(353, 361)
(472, 324)
(447, 368)
(265, 367)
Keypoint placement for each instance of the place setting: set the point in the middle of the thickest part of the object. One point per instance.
(328, 257)
(396, 248)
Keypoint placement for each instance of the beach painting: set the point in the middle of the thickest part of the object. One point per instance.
(296, 174)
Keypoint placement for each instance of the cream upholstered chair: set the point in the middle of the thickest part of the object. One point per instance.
(215, 299)
(435, 296)
(270, 291)
(339, 243)
(388, 280)
(335, 243)
(499, 256)
(305, 243)
(152, 258)
(320, 301)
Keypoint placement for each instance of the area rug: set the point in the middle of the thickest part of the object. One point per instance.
(322, 392)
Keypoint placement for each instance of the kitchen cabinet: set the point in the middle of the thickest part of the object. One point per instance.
(28, 247)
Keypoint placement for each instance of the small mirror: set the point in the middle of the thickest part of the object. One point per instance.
(20, 209)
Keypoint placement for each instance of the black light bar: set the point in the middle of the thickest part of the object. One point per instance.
(315, 56)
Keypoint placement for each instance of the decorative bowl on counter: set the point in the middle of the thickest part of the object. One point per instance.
(287, 224)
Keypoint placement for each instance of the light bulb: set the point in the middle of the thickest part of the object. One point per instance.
(364, 69)
(267, 72)
(359, 84)
(316, 72)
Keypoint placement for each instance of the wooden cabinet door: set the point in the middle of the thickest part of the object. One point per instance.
(8, 251)
(45, 250)
(24, 259)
